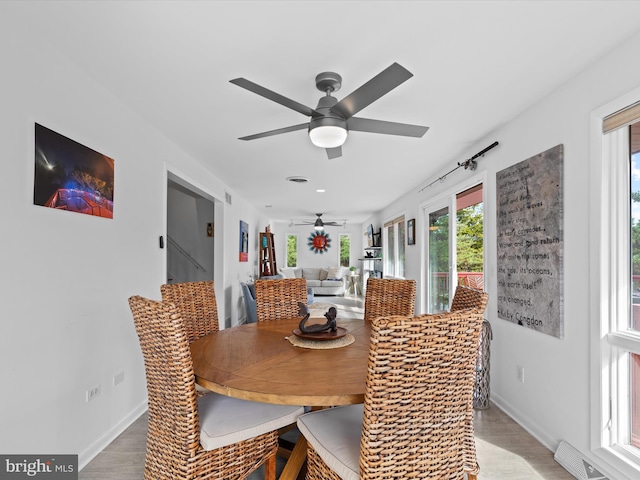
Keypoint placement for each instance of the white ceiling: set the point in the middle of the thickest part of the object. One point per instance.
(476, 65)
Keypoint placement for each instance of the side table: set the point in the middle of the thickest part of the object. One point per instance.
(353, 284)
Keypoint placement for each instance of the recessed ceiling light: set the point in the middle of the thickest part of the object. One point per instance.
(268, 206)
(321, 190)
(297, 179)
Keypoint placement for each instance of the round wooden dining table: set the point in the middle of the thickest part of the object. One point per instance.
(256, 362)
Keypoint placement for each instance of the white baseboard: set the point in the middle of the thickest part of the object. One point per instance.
(94, 449)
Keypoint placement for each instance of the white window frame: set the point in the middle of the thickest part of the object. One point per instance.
(610, 291)
(396, 247)
(447, 198)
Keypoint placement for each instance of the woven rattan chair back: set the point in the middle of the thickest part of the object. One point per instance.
(467, 297)
(197, 304)
(278, 299)
(464, 298)
(173, 435)
(476, 281)
(387, 296)
(419, 381)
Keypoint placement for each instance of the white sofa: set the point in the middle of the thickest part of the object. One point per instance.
(324, 281)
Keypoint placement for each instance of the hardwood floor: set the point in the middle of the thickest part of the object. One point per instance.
(505, 450)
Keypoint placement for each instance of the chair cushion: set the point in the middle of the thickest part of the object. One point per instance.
(226, 420)
(335, 434)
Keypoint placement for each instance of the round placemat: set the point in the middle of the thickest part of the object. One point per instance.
(348, 339)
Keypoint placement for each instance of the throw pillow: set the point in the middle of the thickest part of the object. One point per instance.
(335, 273)
(323, 274)
(287, 273)
(311, 273)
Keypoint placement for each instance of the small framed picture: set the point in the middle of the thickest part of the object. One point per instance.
(411, 231)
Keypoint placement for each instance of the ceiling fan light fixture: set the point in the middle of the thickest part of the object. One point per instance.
(328, 136)
(319, 225)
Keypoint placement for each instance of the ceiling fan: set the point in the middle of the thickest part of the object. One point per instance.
(331, 120)
(319, 224)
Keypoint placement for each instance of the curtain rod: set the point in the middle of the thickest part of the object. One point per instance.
(470, 163)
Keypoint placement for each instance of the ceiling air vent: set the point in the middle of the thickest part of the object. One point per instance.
(298, 179)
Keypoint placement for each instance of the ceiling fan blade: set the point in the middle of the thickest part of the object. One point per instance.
(389, 128)
(278, 131)
(334, 152)
(375, 88)
(275, 97)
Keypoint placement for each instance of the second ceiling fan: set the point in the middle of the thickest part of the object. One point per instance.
(331, 120)
(319, 224)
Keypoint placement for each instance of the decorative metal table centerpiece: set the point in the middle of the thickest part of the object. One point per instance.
(319, 331)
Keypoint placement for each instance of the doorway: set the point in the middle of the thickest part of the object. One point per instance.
(454, 247)
(190, 233)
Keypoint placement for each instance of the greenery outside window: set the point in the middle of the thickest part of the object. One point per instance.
(345, 250)
(292, 250)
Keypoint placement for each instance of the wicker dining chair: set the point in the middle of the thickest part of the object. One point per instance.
(210, 437)
(386, 296)
(411, 425)
(197, 304)
(476, 281)
(278, 299)
(467, 297)
(463, 298)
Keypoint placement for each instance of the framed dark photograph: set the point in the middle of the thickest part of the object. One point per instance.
(70, 176)
(411, 231)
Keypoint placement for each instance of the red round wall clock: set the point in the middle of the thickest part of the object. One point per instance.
(319, 242)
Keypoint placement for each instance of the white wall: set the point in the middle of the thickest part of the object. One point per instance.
(66, 277)
(554, 402)
(244, 271)
(307, 257)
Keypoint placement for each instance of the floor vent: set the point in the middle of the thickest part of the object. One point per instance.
(572, 461)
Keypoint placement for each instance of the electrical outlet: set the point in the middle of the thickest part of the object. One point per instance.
(520, 373)
(93, 393)
(118, 378)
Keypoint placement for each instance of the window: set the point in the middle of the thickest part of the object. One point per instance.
(634, 323)
(292, 250)
(345, 250)
(454, 246)
(470, 237)
(617, 433)
(394, 244)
